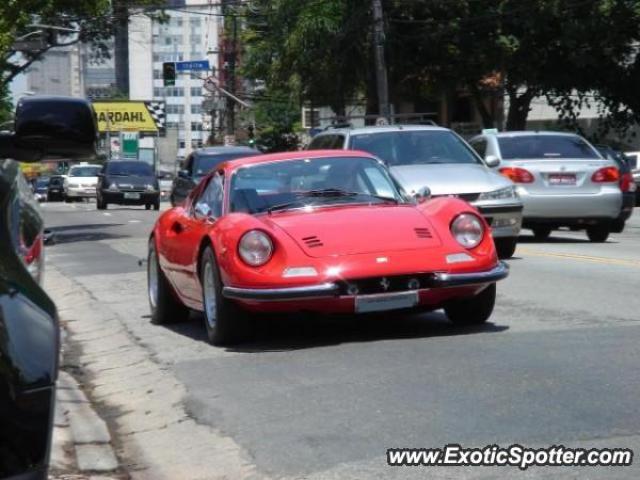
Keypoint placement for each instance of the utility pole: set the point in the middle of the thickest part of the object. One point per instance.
(186, 82)
(230, 59)
(381, 65)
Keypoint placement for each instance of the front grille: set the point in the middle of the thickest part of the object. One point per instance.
(398, 283)
(423, 233)
(312, 242)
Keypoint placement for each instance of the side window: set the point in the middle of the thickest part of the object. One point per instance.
(337, 143)
(318, 142)
(480, 146)
(213, 195)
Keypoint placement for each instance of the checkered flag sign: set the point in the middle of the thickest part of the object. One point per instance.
(157, 112)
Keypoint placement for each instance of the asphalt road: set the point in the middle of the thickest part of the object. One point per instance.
(326, 397)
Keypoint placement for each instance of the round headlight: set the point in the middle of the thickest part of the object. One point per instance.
(255, 248)
(468, 230)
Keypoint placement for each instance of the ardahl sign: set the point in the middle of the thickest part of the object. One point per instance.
(130, 116)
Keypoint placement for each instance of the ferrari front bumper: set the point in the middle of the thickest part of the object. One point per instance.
(332, 290)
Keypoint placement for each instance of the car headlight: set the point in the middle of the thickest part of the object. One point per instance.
(502, 194)
(113, 187)
(468, 230)
(150, 188)
(255, 248)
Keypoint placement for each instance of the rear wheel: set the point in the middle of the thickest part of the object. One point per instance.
(101, 204)
(156, 205)
(618, 226)
(506, 247)
(147, 206)
(541, 233)
(598, 233)
(165, 307)
(472, 311)
(225, 321)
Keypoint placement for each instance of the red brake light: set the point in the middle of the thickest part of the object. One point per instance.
(606, 174)
(517, 174)
(627, 184)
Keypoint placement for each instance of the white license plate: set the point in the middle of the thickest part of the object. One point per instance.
(386, 301)
(562, 179)
(132, 196)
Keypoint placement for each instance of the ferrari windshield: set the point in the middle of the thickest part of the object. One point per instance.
(283, 185)
(415, 147)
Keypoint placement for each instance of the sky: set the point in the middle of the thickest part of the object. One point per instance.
(18, 87)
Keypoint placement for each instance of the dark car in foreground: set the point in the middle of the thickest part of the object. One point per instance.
(29, 330)
(197, 165)
(126, 182)
(627, 185)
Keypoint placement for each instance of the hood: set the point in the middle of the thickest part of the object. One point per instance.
(451, 178)
(333, 232)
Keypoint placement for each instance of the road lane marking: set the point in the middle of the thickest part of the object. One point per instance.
(586, 258)
(106, 214)
(135, 221)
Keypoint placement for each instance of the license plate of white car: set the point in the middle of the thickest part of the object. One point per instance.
(562, 179)
(386, 301)
(132, 196)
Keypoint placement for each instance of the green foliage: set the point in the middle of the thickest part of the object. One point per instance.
(277, 119)
(6, 105)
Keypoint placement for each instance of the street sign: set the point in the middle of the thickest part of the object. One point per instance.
(192, 66)
(130, 145)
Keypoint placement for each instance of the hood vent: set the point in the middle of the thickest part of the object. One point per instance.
(313, 242)
(423, 233)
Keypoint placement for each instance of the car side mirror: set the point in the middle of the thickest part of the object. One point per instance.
(183, 173)
(202, 211)
(422, 195)
(492, 161)
(51, 127)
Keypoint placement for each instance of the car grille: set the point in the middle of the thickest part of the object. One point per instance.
(398, 283)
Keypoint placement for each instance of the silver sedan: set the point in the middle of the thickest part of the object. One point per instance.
(562, 179)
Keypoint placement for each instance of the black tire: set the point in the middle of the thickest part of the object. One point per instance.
(541, 233)
(618, 226)
(156, 205)
(101, 204)
(165, 308)
(67, 199)
(598, 233)
(147, 206)
(506, 247)
(231, 323)
(472, 311)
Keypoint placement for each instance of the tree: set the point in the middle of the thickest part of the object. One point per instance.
(91, 21)
(6, 106)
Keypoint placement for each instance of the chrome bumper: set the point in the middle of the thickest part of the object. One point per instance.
(332, 290)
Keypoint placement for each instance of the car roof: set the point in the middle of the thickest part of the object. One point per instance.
(79, 165)
(224, 150)
(381, 129)
(283, 156)
(528, 133)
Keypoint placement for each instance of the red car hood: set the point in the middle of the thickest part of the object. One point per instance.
(332, 232)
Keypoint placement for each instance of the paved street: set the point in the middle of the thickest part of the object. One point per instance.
(323, 398)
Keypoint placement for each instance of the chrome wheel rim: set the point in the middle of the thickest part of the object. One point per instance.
(209, 289)
(153, 278)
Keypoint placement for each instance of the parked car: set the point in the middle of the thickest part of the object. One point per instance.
(125, 182)
(81, 182)
(56, 188)
(634, 164)
(316, 231)
(41, 189)
(627, 185)
(199, 164)
(437, 158)
(29, 330)
(562, 180)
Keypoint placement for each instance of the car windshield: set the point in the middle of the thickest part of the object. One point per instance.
(57, 181)
(311, 182)
(418, 147)
(203, 164)
(42, 182)
(129, 169)
(530, 147)
(84, 171)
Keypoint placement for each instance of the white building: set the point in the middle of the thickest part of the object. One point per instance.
(190, 34)
(59, 72)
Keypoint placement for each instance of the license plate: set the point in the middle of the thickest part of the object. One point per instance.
(562, 179)
(132, 196)
(386, 301)
(54, 190)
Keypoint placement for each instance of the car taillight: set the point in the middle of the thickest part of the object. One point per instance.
(606, 174)
(517, 174)
(627, 184)
(33, 256)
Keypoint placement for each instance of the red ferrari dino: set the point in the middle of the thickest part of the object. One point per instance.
(317, 231)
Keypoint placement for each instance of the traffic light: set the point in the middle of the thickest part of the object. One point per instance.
(169, 74)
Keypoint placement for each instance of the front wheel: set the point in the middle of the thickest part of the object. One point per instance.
(598, 233)
(506, 247)
(226, 322)
(101, 204)
(165, 307)
(541, 233)
(472, 311)
(156, 205)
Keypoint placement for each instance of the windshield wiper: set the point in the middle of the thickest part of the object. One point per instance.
(327, 193)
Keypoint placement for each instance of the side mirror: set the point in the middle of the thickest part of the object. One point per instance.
(492, 161)
(183, 173)
(202, 211)
(50, 127)
(422, 195)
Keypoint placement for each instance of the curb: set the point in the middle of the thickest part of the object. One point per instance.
(81, 444)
